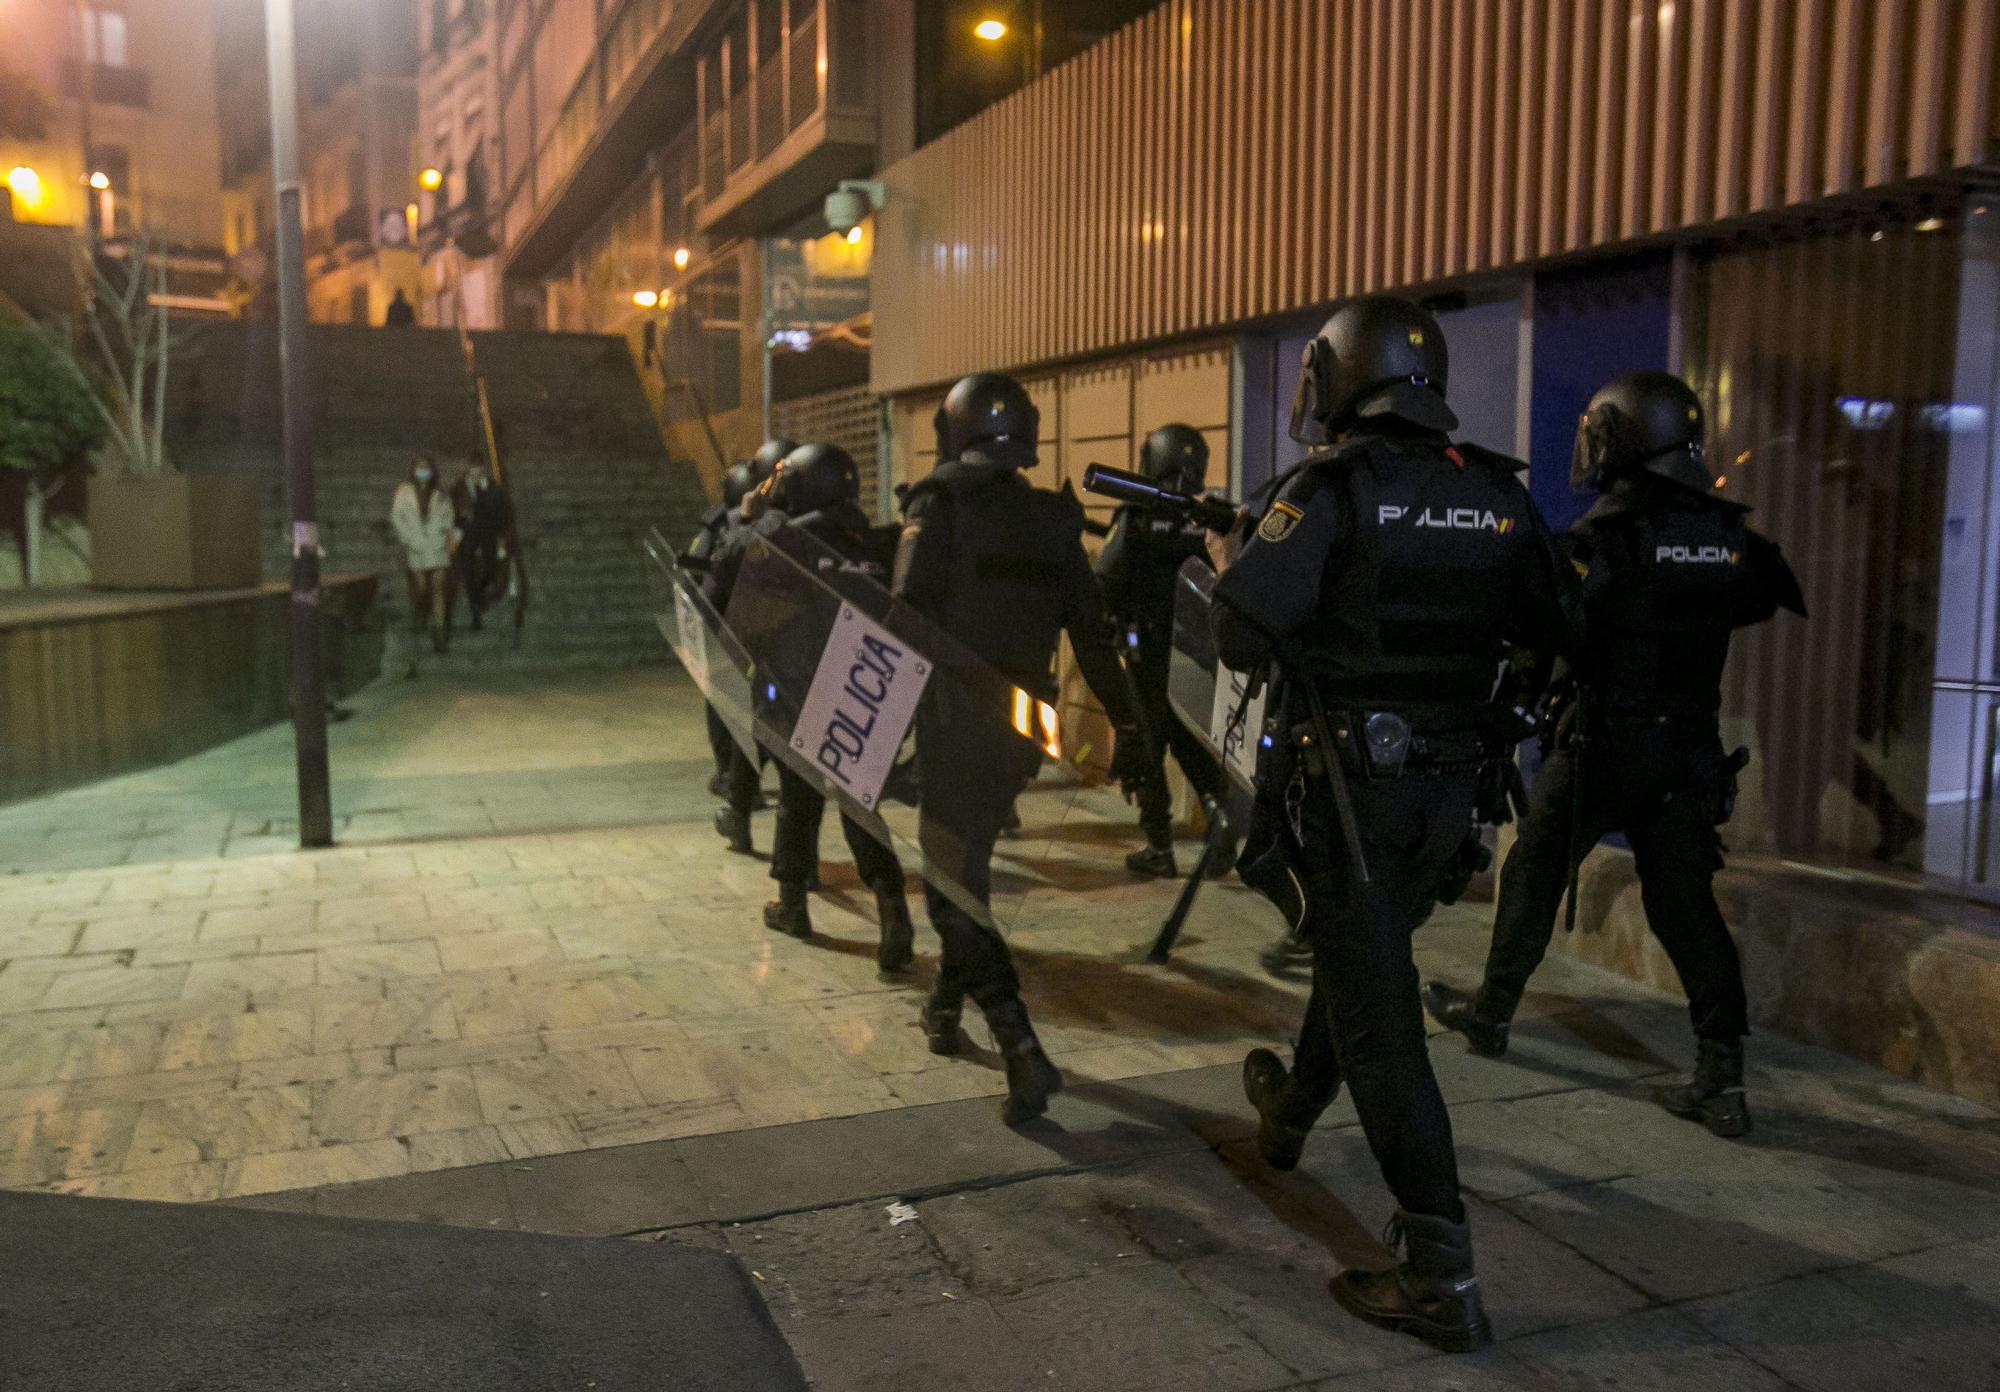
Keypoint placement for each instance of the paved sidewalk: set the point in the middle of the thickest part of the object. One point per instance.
(193, 1009)
(530, 992)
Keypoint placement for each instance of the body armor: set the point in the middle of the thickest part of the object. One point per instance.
(1668, 575)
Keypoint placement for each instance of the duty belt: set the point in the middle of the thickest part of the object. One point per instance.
(1380, 745)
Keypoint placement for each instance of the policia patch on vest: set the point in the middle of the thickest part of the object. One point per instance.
(1279, 522)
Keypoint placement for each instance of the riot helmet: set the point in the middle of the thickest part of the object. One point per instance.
(769, 454)
(1649, 422)
(815, 477)
(737, 483)
(1379, 356)
(989, 409)
(1175, 456)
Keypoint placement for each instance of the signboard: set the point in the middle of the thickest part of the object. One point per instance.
(859, 707)
(810, 287)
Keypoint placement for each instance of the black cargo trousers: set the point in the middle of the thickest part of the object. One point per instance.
(1656, 779)
(795, 847)
(1364, 1022)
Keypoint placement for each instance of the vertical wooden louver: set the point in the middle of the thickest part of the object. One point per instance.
(1218, 160)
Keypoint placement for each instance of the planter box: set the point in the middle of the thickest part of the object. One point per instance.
(174, 532)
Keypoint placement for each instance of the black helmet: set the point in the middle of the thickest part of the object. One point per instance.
(1649, 422)
(813, 477)
(765, 461)
(1175, 456)
(987, 408)
(1378, 356)
(737, 483)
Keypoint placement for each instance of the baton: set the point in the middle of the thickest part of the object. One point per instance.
(1170, 931)
(1343, 804)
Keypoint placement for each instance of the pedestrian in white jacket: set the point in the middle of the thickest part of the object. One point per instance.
(421, 516)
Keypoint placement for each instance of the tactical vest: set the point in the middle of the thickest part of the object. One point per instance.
(1666, 578)
(1012, 545)
(1414, 608)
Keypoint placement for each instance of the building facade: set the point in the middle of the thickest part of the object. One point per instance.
(457, 124)
(358, 156)
(126, 82)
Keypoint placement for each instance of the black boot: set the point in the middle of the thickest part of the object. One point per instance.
(1289, 957)
(1433, 1294)
(892, 911)
(939, 1017)
(734, 828)
(1479, 1018)
(1156, 861)
(788, 913)
(1714, 1095)
(1031, 1078)
(1284, 1120)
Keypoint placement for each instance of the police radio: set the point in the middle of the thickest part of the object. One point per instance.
(1122, 486)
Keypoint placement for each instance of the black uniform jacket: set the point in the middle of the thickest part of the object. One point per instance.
(999, 564)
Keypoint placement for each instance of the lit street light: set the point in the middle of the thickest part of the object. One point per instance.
(645, 299)
(681, 258)
(432, 180)
(991, 30)
(100, 181)
(308, 681)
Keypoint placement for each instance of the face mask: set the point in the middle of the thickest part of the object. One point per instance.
(423, 476)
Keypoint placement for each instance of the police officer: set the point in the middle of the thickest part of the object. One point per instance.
(718, 525)
(1385, 579)
(742, 789)
(1000, 566)
(1137, 569)
(817, 491)
(1669, 571)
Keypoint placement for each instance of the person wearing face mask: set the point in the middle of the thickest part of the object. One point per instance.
(422, 518)
(483, 514)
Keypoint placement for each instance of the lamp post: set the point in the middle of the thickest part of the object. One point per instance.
(308, 680)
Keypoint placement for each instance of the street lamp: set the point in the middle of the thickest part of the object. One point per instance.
(308, 681)
(991, 30)
(645, 299)
(681, 258)
(432, 179)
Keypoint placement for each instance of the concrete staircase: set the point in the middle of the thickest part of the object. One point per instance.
(578, 443)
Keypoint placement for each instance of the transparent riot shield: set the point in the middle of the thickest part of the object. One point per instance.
(692, 628)
(1208, 698)
(918, 741)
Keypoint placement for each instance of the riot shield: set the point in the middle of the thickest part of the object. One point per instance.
(1209, 699)
(918, 741)
(714, 659)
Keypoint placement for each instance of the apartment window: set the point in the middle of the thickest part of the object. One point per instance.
(103, 36)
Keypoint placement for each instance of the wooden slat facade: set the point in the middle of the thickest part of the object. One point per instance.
(1167, 181)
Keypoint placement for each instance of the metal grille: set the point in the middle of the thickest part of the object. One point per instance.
(1216, 161)
(849, 418)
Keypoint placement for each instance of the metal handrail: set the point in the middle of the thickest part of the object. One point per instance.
(517, 558)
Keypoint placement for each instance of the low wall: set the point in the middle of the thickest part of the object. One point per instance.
(95, 684)
(1889, 973)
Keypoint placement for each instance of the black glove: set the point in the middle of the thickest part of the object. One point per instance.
(1131, 765)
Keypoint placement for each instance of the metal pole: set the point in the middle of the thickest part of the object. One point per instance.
(86, 63)
(308, 680)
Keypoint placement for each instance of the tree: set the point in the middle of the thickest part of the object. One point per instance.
(129, 326)
(49, 420)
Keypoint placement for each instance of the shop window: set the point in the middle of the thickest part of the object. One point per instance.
(1830, 370)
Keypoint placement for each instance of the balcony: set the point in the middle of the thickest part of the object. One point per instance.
(782, 125)
(111, 85)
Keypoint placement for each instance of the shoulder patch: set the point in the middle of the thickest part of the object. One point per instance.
(1279, 522)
